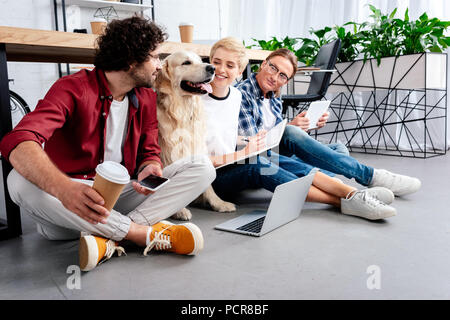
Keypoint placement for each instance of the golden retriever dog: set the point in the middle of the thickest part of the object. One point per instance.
(181, 119)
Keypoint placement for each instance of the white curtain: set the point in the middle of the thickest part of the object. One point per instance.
(248, 19)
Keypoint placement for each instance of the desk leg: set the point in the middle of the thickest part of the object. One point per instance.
(12, 226)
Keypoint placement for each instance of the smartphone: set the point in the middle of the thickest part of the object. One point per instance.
(153, 182)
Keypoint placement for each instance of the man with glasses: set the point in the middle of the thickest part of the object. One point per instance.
(88, 118)
(261, 109)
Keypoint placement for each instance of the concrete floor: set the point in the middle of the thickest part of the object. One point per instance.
(321, 255)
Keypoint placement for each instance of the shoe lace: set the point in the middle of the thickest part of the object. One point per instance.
(160, 241)
(366, 197)
(111, 248)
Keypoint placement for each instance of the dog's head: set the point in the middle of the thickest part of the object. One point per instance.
(186, 74)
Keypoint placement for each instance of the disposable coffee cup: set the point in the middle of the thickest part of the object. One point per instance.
(110, 179)
(98, 26)
(186, 32)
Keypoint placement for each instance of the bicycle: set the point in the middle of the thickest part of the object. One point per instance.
(19, 107)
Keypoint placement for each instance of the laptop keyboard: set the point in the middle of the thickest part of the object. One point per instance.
(254, 226)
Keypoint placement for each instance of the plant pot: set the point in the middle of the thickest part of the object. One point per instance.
(395, 108)
(414, 71)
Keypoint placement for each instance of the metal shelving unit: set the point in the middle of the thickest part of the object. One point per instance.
(125, 6)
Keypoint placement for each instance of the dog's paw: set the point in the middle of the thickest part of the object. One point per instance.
(223, 206)
(184, 214)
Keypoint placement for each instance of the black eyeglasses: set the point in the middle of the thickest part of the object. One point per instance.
(273, 69)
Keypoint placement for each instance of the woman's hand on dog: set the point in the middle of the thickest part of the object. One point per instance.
(152, 168)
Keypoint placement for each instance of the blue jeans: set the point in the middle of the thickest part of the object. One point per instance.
(298, 143)
(264, 173)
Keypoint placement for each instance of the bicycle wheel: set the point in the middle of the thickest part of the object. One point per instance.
(19, 107)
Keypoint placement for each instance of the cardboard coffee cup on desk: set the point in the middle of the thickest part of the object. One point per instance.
(186, 32)
(98, 26)
(110, 179)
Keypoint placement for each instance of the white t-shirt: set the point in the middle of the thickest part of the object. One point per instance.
(116, 130)
(269, 119)
(223, 121)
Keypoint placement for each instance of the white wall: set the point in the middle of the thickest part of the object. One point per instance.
(31, 80)
(204, 14)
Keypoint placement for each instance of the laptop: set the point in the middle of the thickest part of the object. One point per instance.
(285, 206)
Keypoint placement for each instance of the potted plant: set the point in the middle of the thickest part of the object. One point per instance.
(395, 53)
(391, 79)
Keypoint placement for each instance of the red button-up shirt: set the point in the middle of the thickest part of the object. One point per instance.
(71, 122)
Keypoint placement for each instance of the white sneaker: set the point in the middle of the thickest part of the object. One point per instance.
(400, 185)
(383, 194)
(362, 204)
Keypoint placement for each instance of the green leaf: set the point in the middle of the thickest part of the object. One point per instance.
(435, 48)
(444, 24)
(340, 32)
(393, 13)
(423, 17)
(446, 40)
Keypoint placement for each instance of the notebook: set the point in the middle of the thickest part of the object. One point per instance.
(273, 138)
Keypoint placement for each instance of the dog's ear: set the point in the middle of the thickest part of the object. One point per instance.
(163, 75)
(165, 69)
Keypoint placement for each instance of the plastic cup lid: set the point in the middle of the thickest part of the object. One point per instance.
(113, 172)
(186, 24)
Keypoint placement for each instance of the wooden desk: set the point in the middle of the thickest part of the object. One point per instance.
(30, 45)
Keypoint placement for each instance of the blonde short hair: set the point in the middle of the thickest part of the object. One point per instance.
(234, 45)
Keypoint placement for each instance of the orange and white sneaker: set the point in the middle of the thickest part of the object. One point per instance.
(183, 238)
(94, 250)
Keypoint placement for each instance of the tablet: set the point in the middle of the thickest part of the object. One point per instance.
(315, 111)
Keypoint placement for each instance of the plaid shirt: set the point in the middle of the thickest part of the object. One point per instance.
(250, 115)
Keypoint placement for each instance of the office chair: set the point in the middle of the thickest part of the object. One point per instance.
(318, 86)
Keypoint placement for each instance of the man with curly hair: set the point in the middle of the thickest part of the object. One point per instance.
(107, 114)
